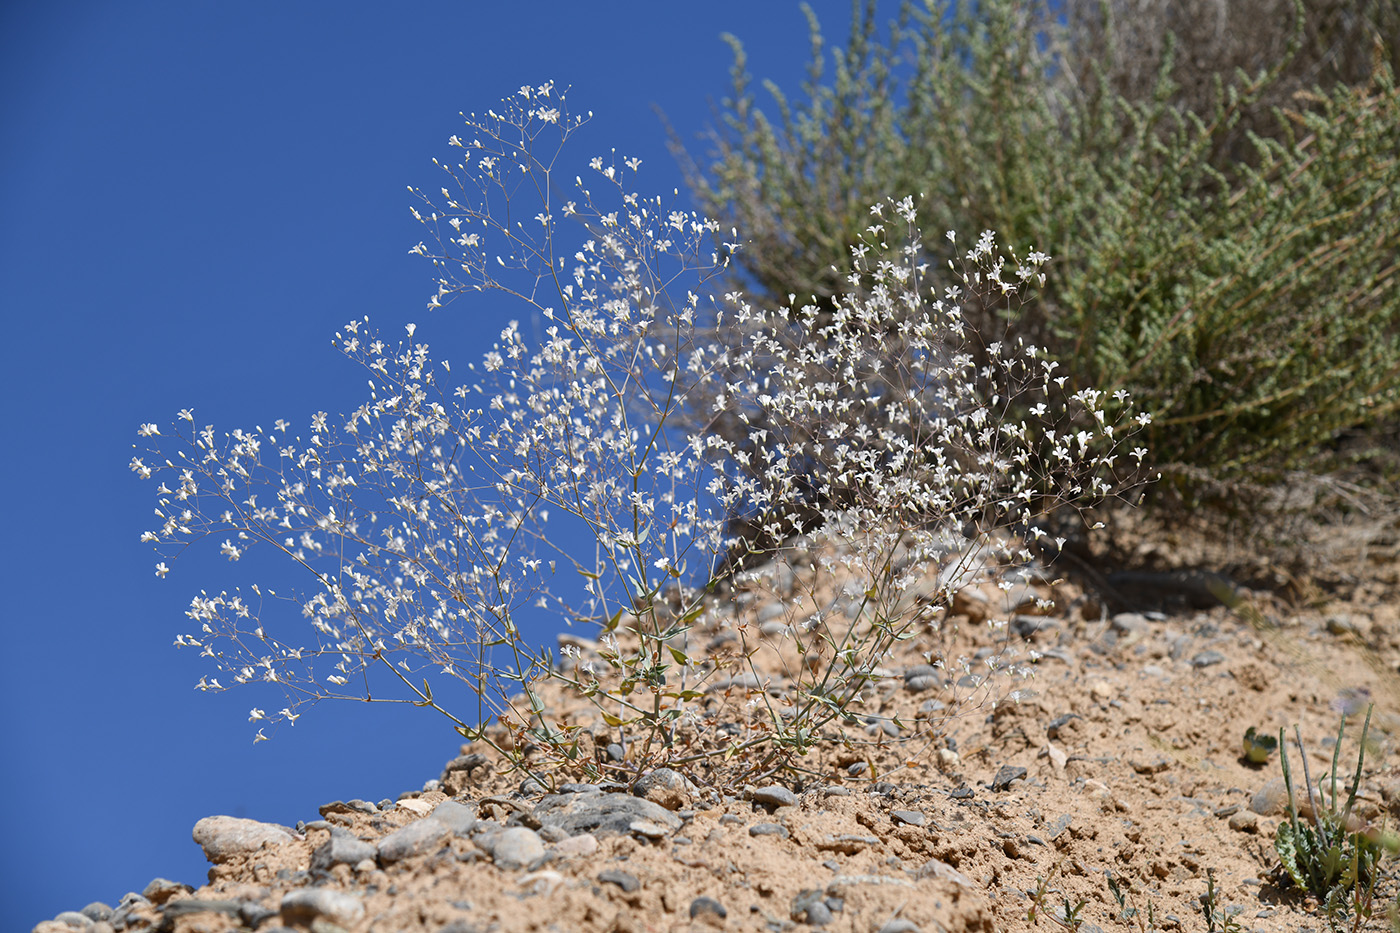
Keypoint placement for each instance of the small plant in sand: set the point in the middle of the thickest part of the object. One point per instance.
(434, 517)
(1329, 852)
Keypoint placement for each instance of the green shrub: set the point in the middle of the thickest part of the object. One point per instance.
(1251, 304)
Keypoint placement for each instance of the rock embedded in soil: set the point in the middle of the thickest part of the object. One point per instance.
(342, 848)
(513, 848)
(1005, 775)
(160, 890)
(306, 906)
(708, 909)
(911, 817)
(225, 837)
(423, 835)
(627, 882)
(775, 795)
(604, 814)
(666, 787)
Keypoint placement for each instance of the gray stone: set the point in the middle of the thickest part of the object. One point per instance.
(707, 908)
(1027, 627)
(809, 907)
(1245, 822)
(775, 795)
(423, 835)
(467, 763)
(457, 817)
(622, 879)
(342, 848)
(306, 905)
(604, 814)
(1005, 775)
(664, 786)
(769, 829)
(923, 684)
(1270, 799)
(1131, 623)
(1207, 658)
(160, 890)
(97, 911)
(513, 848)
(912, 817)
(226, 837)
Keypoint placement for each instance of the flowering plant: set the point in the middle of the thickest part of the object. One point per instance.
(427, 519)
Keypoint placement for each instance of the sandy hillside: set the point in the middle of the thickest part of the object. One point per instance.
(1121, 759)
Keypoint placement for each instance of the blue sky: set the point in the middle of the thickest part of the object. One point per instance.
(193, 198)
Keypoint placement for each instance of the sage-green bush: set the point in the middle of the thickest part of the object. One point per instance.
(1252, 304)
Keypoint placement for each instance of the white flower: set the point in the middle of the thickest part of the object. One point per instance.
(161, 569)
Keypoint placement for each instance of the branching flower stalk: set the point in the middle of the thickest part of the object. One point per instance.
(889, 472)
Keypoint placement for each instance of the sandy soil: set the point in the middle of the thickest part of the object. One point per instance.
(1121, 760)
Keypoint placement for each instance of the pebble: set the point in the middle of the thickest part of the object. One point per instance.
(665, 786)
(414, 805)
(769, 829)
(922, 677)
(775, 795)
(580, 845)
(160, 890)
(513, 848)
(1005, 775)
(709, 910)
(422, 835)
(1245, 822)
(97, 911)
(307, 905)
(225, 837)
(1271, 798)
(1129, 623)
(809, 907)
(343, 847)
(1207, 658)
(605, 814)
(912, 817)
(627, 882)
(1027, 627)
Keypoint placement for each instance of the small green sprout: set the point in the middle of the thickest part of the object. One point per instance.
(1332, 853)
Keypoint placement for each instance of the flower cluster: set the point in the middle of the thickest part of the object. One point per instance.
(694, 436)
